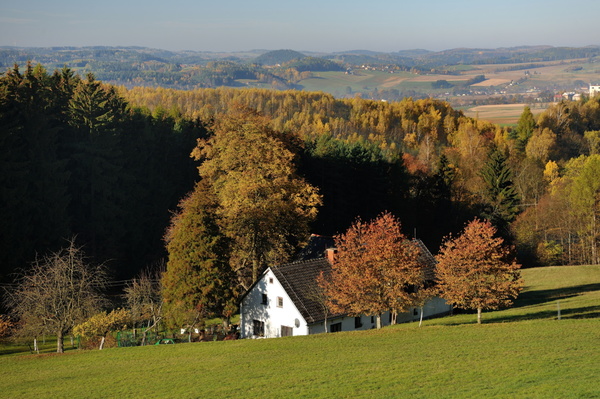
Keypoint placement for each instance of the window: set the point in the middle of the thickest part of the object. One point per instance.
(357, 322)
(265, 300)
(258, 328)
(335, 327)
(270, 280)
(287, 331)
(279, 302)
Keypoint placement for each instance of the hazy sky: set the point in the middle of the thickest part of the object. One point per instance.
(303, 25)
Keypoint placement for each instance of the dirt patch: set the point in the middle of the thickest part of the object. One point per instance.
(492, 82)
(393, 82)
(502, 113)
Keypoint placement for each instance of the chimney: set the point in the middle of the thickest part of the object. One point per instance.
(331, 254)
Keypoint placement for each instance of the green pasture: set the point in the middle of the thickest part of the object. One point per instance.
(522, 352)
(338, 82)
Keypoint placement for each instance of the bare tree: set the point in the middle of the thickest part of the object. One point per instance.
(144, 299)
(56, 293)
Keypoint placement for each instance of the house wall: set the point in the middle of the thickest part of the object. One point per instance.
(434, 307)
(272, 315)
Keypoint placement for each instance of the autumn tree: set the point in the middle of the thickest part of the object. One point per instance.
(199, 281)
(59, 291)
(100, 324)
(376, 269)
(584, 196)
(264, 207)
(476, 270)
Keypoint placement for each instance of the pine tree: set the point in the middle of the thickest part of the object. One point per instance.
(501, 198)
(525, 128)
(198, 282)
(33, 177)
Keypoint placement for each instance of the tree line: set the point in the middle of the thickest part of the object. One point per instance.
(77, 161)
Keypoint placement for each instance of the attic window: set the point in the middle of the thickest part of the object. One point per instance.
(279, 302)
(264, 299)
(270, 280)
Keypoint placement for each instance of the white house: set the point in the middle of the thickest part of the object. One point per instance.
(284, 302)
(594, 90)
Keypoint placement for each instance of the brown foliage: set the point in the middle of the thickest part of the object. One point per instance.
(376, 269)
(476, 271)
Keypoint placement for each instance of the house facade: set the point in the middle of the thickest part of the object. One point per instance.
(286, 301)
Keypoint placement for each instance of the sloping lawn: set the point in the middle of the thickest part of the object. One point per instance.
(522, 352)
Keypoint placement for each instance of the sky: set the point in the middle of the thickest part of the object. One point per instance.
(305, 25)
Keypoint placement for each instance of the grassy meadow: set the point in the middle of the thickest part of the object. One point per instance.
(521, 352)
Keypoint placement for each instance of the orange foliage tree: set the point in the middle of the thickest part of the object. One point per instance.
(376, 269)
(477, 271)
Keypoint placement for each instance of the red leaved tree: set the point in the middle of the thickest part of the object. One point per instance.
(377, 269)
(477, 271)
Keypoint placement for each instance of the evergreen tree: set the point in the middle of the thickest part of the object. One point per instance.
(33, 177)
(525, 128)
(198, 282)
(96, 165)
(501, 199)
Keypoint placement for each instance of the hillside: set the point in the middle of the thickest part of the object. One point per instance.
(530, 74)
(278, 57)
(519, 352)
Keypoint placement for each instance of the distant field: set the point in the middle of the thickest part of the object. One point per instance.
(522, 352)
(503, 114)
(558, 75)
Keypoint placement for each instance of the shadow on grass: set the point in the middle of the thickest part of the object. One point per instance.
(538, 297)
(587, 312)
(541, 297)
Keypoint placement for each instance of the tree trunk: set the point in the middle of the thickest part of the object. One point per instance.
(35, 346)
(59, 342)
(421, 317)
(479, 315)
(378, 321)
(102, 343)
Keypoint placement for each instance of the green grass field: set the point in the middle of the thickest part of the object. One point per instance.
(522, 352)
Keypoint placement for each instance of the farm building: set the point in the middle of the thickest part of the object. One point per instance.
(284, 301)
(594, 90)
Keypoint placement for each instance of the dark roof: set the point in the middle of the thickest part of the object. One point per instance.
(428, 259)
(299, 279)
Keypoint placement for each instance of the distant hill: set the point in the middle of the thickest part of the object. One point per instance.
(371, 58)
(314, 64)
(278, 57)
